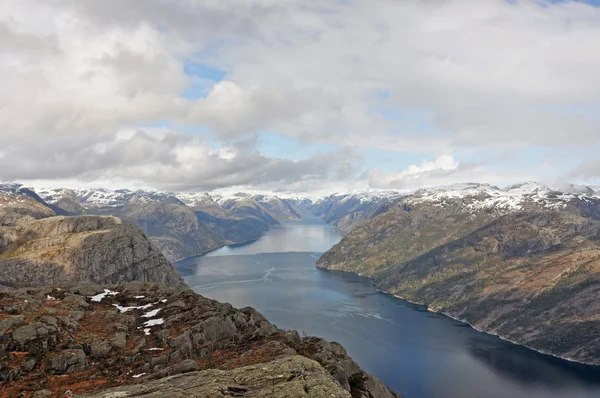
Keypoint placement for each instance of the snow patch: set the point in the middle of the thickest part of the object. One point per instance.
(154, 322)
(150, 314)
(98, 298)
(478, 197)
(125, 309)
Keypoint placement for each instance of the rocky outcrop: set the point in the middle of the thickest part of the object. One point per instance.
(522, 266)
(94, 249)
(293, 376)
(143, 339)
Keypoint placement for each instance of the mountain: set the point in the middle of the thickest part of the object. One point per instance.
(181, 224)
(17, 206)
(346, 211)
(141, 338)
(148, 340)
(38, 248)
(521, 262)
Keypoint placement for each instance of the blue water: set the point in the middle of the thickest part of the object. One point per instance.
(419, 354)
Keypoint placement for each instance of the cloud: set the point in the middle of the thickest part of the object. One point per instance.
(587, 171)
(441, 171)
(169, 161)
(458, 76)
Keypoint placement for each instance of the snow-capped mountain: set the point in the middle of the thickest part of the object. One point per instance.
(182, 223)
(347, 210)
(478, 197)
(188, 223)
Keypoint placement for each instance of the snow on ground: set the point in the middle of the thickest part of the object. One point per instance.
(150, 314)
(98, 298)
(154, 322)
(478, 197)
(147, 325)
(125, 309)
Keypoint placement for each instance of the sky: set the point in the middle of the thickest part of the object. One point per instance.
(299, 96)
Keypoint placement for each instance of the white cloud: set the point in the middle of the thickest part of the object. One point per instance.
(440, 171)
(75, 74)
(169, 161)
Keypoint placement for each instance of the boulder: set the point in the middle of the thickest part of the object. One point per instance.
(66, 362)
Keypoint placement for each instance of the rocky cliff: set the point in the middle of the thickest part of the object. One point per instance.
(522, 263)
(61, 249)
(142, 339)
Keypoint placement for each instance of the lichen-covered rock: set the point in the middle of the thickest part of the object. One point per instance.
(66, 362)
(293, 376)
(33, 331)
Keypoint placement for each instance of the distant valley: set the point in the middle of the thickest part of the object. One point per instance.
(189, 224)
(522, 262)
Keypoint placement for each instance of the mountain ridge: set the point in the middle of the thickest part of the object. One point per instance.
(473, 251)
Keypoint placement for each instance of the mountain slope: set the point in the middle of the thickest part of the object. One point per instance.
(39, 248)
(142, 339)
(181, 224)
(523, 262)
(346, 211)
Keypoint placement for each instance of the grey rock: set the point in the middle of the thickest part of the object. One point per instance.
(376, 388)
(289, 377)
(66, 362)
(185, 366)
(100, 348)
(77, 300)
(215, 328)
(9, 323)
(50, 320)
(33, 331)
(119, 340)
(139, 345)
(29, 365)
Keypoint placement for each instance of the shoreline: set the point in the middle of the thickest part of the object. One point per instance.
(448, 315)
(425, 306)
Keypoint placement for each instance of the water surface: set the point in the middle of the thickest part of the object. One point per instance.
(419, 354)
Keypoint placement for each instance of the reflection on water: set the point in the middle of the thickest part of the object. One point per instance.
(307, 235)
(418, 353)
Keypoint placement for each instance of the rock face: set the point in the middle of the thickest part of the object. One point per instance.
(95, 249)
(143, 339)
(522, 263)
